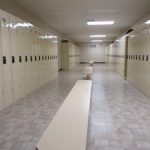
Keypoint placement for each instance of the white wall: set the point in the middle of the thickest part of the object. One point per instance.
(88, 51)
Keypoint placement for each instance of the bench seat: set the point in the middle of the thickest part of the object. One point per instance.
(68, 129)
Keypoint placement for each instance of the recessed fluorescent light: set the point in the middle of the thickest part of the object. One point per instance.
(96, 40)
(100, 22)
(148, 22)
(97, 36)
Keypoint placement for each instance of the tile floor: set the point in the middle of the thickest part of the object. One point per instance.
(119, 114)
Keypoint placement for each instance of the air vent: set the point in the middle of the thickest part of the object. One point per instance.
(65, 41)
(92, 45)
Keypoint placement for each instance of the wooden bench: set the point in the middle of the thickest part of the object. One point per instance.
(68, 129)
(87, 72)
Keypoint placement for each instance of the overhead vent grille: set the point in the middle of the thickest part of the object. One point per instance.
(101, 11)
(92, 45)
(65, 41)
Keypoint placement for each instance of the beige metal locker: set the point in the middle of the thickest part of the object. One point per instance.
(6, 67)
(14, 56)
(1, 88)
(1, 80)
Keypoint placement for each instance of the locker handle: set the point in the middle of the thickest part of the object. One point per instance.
(4, 60)
(20, 59)
(31, 58)
(26, 58)
(147, 58)
(13, 59)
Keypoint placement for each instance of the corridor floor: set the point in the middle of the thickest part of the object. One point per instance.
(119, 113)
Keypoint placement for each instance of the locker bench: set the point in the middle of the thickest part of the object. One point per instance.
(68, 129)
(87, 72)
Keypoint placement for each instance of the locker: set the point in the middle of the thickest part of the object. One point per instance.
(40, 60)
(6, 68)
(15, 55)
(36, 53)
(1, 80)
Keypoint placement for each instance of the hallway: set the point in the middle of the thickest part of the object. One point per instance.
(119, 114)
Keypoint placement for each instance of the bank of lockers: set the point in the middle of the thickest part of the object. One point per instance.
(134, 58)
(70, 55)
(116, 55)
(138, 70)
(28, 58)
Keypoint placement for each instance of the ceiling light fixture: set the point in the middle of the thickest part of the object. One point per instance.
(147, 22)
(96, 40)
(100, 23)
(97, 36)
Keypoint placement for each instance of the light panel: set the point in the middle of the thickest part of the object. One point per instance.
(96, 40)
(97, 36)
(90, 23)
(147, 22)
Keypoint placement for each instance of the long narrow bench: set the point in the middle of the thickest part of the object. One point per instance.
(68, 129)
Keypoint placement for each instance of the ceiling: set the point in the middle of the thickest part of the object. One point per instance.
(69, 16)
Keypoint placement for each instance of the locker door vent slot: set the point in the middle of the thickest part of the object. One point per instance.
(26, 58)
(143, 58)
(20, 59)
(39, 58)
(139, 57)
(147, 58)
(35, 58)
(136, 57)
(13, 59)
(31, 58)
(4, 59)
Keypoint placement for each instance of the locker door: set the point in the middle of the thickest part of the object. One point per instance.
(1, 83)
(52, 60)
(6, 67)
(32, 59)
(40, 59)
(56, 59)
(14, 56)
(49, 64)
(51, 67)
(36, 53)
(1, 86)
(44, 62)
(47, 61)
